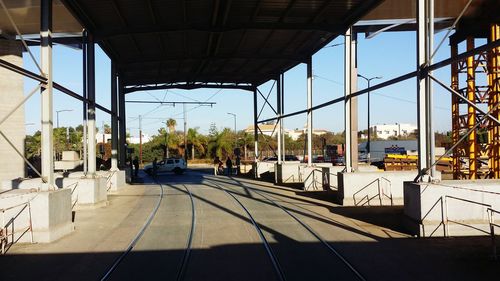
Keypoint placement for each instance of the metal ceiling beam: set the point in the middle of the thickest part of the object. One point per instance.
(215, 57)
(187, 86)
(107, 34)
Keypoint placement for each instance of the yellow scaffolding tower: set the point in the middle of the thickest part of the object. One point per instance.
(476, 159)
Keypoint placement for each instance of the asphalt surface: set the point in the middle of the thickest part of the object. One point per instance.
(226, 245)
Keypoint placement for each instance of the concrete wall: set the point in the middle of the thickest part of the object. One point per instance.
(288, 172)
(11, 93)
(429, 207)
(362, 188)
(263, 167)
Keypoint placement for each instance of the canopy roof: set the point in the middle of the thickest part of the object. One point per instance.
(238, 42)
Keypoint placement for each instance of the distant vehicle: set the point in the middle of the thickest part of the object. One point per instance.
(168, 165)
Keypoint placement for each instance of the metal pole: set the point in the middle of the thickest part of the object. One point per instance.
(422, 103)
(278, 107)
(91, 125)
(256, 129)
(430, 92)
(368, 148)
(309, 111)
(47, 143)
(85, 105)
(455, 112)
(114, 119)
(122, 123)
(282, 127)
(140, 139)
(471, 111)
(347, 101)
(185, 130)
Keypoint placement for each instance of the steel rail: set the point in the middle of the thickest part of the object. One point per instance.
(132, 244)
(269, 250)
(308, 228)
(187, 253)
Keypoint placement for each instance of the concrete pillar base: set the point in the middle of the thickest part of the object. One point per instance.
(381, 188)
(261, 168)
(450, 208)
(50, 214)
(115, 180)
(88, 192)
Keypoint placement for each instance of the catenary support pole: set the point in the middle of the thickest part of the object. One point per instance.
(91, 123)
(278, 107)
(309, 111)
(429, 88)
(114, 119)
(353, 116)
(47, 142)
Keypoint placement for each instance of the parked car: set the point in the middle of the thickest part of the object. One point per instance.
(168, 165)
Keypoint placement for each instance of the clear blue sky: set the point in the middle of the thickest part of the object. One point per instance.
(389, 55)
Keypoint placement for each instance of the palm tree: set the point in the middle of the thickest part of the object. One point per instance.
(195, 139)
(171, 123)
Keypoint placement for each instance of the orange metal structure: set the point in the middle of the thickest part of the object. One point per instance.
(477, 157)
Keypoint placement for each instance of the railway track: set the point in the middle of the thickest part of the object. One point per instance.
(327, 245)
(183, 263)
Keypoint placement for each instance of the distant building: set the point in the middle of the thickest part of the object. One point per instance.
(135, 139)
(269, 130)
(386, 131)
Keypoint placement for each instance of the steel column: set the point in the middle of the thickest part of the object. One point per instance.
(278, 106)
(424, 147)
(431, 140)
(353, 116)
(122, 124)
(348, 157)
(282, 77)
(91, 123)
(471, 111)
(47, 141)
(255, 132)
(85, 104)
(114, 118)
(309, 111)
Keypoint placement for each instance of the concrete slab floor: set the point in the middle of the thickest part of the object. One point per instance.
(226, 245)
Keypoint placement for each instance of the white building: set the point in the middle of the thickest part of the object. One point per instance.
(269, 130)
(386, 131)
(135, 139)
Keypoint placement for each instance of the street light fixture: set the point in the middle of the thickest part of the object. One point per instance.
(57, 115)
(368, 80)
(235, 134)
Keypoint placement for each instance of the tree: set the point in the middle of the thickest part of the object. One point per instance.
(171, 123)
(195, 141)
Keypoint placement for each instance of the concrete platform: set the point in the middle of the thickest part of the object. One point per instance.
(87, 192)
(226, 247)
(451, 208)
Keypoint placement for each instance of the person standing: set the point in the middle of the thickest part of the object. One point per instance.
(238, 164)
(229, 166)
(216, 164)
(136, 166)
(155, 166)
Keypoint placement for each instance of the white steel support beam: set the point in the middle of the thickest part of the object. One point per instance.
(114, 118)
(350, 102)
(47, 143)
(278, 106)
(425, 149)
(122, 124)
(309, 111)
(282, 123)
(85, 105)
(91, 123)
(255, 131)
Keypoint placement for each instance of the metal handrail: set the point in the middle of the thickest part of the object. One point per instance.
(445, 215)
(379, 189)
(4, 230)
(76, 184)
(492, 230)
(108, 179)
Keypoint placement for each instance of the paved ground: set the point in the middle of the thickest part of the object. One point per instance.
(227, 246)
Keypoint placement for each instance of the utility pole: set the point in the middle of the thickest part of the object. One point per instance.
(185, 131)
(235, 133)
(140, 139)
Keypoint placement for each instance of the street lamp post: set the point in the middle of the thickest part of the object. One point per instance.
(368, 80)
(57, 115)
(235, 134)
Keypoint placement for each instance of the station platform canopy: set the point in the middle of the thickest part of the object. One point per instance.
(223, 43)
